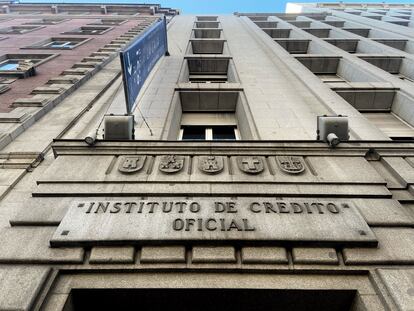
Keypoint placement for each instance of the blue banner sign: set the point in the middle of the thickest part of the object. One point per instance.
(138, 59)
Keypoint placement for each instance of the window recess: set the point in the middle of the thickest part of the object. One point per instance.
(47, 21)
(88, 30)
(225, 132)
(115, 22)
(22, 65)
(208, 126)
(18, 30)
(206, 69)
(206, 46)
(59, 43)
(391, 125)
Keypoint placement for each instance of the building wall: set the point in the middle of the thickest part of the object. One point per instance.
(322, 228)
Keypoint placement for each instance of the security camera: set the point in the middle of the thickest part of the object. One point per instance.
(332, 129)
(333, 140)
(91, 138)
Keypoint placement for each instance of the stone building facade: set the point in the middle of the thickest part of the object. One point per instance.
(225, 200)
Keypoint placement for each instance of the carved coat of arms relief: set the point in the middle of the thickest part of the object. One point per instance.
(171, 164)
(210, 164)
(291, 164)
(250, 164)
(131, 164)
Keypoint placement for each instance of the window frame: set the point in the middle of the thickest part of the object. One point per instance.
(100, 23)
(19, 57)
(9, 62)
(402, 122)
(47, 21)
(209, 133)
(22, 32)
(104, 29)
(43, 45)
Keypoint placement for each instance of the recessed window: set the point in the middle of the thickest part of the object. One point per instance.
(59, 43)
(207, 24)
(207, 46)
(205, 70)
(225, 132)
(4, 88)
(209, 120)
(18, 30)
(18, 68)
(47, 21)
(391, 64)
(193, 133)
(207, 18)
(363, 32)
(22, 65)
(9, 65)
(115, 22)
(25, 12)
(76, 13)
(207, 33)
(88, 30)
(391, 125)
(331, 78)
(320, 64)
(6, 80)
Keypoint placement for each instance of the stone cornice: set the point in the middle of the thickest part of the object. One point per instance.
(351, 148)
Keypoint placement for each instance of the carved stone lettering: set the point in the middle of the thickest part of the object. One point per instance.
(312, 220)
(291, 164)
(171, 164)
(211, 164)
(250, 164)
(131, 164)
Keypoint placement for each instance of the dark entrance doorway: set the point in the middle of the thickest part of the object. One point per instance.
(210, 300)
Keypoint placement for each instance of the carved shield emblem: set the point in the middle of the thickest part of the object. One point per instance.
(250, 165)
(211, 164)
(291, 164)
(171, 164)
(131, 164)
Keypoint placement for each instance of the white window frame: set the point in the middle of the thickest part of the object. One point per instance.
(63, 45)
(209, 132)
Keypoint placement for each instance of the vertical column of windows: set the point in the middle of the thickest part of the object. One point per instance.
(208, 112)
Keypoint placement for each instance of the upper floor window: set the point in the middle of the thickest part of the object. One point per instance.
(60, 43)
(18, 30)
(9, 65)
(109, 21)
(88, 30)
(224, 132)
(22, 65)
(47, 21)
(208, 126)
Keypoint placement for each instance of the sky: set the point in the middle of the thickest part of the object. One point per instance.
(213, 6)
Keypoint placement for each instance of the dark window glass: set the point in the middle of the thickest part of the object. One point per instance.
(223, 133)
(194, 133)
